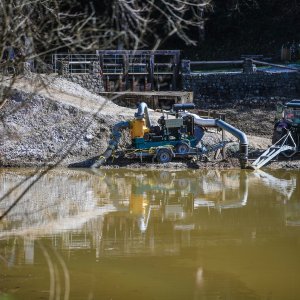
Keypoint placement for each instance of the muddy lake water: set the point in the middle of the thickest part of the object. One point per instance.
(146, 234)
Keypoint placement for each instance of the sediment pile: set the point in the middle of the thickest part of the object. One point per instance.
(53, 120)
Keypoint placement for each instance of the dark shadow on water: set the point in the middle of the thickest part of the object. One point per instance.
(84, 164)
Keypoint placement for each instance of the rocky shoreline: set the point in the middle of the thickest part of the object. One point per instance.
(49, 121)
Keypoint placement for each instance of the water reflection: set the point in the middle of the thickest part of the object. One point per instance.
(109, 201)
(215, 225)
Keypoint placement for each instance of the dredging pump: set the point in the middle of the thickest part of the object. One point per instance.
(177, 134)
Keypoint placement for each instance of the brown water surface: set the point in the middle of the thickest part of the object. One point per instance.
(126, 234)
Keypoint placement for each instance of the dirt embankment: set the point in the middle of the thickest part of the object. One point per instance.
(51, 120)
(46, 120)
(252, 121)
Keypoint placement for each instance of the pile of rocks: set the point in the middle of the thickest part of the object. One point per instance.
(59, 121)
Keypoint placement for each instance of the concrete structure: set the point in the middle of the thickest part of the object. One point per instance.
(123, 70)
(131, 76)
(162, 99)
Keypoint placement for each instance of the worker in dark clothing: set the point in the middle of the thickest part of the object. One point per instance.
(280, 129)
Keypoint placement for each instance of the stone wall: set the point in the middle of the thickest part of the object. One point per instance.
(91, 82)
(227, 89)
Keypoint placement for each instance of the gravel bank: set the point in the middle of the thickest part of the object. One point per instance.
(54, 121)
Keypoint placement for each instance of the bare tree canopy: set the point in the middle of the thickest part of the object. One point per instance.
(49, 25)
(136, 23)
(44, 26)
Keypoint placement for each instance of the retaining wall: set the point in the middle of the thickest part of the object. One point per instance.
(226, 89)
(91, 82)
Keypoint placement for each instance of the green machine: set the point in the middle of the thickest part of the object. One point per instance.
(177, 133)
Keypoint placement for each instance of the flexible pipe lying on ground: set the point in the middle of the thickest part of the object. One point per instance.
(113, 143)
(242, 138)
(141, 113)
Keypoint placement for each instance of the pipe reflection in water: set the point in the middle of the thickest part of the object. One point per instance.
(67, 201)
(216, 224)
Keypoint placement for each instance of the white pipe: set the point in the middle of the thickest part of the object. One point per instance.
(221, 124)
(198, 120)
(218, 123)
(142, 113)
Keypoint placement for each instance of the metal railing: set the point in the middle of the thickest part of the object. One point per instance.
(112, 64)
(78, 63)
(187, 65)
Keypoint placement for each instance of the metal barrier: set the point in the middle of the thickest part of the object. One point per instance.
(248, 64)
(77, 63)
(187, 65)
(126, 69)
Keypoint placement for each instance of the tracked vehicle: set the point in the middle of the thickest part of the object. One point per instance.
(286, 134)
